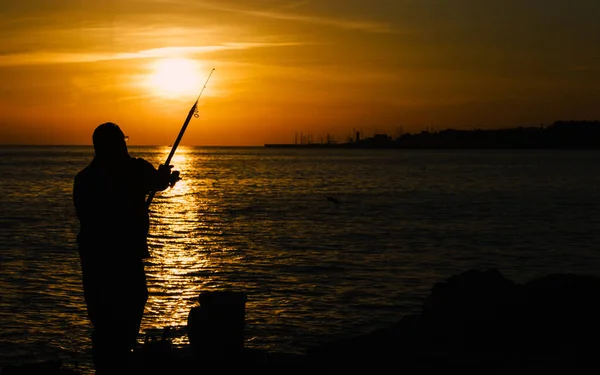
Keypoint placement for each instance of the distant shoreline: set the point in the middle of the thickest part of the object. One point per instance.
(422, 147)
(559, 135)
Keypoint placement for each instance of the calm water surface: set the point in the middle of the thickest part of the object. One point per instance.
(257, 220)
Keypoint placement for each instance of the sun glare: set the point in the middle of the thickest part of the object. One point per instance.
(175, 78)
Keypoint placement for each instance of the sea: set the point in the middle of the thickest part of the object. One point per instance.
(326, 243)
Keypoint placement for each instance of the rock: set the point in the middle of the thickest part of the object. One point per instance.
(481, 320)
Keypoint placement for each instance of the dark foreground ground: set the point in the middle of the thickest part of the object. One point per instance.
(476, 321)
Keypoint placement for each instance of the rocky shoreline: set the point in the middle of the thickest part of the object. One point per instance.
(477, 320)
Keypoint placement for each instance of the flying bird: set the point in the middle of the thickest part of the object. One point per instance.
(332, 199)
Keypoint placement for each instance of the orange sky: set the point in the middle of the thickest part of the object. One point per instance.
(282, 67)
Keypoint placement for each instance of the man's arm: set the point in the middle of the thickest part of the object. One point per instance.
(81, 200)
(159, 179)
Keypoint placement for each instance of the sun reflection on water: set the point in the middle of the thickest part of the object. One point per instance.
(175, 259)
(190, 243)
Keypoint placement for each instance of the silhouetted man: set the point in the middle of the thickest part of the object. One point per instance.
(110, 200)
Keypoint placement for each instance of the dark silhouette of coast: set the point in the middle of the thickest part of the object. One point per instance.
(559, 135)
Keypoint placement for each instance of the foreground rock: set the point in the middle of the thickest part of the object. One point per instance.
(481, 320)
(477, 320)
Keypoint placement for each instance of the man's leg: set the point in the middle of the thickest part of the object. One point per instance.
(115, 303)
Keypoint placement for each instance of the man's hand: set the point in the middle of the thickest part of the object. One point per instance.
(167, 175)
(174, 178)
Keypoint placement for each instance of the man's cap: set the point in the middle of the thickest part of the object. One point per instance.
(109, 139)
(108, 133)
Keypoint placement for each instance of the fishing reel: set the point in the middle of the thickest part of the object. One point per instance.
(174, 178)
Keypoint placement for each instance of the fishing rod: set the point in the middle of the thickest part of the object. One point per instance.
(193, 112)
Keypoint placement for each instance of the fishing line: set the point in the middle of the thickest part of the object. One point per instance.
(193, 112)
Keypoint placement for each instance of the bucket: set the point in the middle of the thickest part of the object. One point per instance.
(216, 326)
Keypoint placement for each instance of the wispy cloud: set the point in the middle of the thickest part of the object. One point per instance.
(372, 27)
(282, 13)
(39, 58)
(593, 65)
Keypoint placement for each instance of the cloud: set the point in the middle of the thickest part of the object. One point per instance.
(372, 27)
(38, 58)
(592, 65)
(282, 13)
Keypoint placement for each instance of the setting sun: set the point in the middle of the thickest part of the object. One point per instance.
(174, 78)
